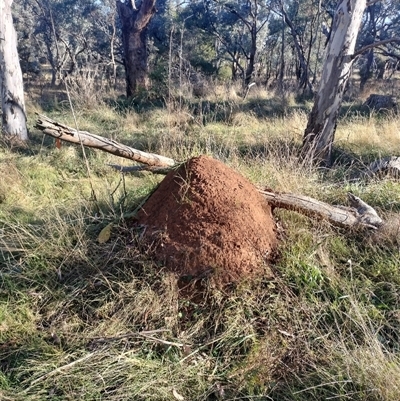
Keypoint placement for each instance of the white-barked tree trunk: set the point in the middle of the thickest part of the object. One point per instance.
(11, 84)
(339, 58)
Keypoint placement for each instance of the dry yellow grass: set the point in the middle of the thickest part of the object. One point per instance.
(376, 133)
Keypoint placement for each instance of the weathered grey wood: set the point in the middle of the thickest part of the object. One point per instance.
(65, 133)
(387, 166)
(365, 213)
(359, 215)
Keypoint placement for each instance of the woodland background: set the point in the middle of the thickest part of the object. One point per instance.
(195, 44)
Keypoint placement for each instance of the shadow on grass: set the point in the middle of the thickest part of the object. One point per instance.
(211, 111)
(61, 277)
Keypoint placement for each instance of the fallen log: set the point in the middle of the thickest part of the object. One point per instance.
(360, 214)
(388, 166)
(68, 134)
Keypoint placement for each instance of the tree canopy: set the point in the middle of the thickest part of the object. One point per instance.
(278, 44)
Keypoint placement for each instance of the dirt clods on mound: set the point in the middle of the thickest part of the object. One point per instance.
(207, 220)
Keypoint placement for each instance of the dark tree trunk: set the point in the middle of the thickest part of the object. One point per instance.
(251, 57)
(302, 73)
(134, 39)
(320, 131)
(282, 65)
(366, 71)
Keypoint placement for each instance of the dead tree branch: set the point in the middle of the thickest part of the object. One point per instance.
(359, 215)
(68, 134)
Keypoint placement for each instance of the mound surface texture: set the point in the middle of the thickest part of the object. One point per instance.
(205, 219)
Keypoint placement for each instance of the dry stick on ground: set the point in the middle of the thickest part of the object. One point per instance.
(65, 133)
(59, 370)
(358, 215)
(145, 334)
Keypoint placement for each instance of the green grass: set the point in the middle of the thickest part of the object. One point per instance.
(80, 320)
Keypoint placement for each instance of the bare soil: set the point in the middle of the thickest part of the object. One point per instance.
(206, 220)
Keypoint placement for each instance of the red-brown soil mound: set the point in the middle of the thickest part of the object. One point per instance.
(205, 219)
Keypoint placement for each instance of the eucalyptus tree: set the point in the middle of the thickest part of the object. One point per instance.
(320, 130)
(107, 45)
(303, 20)
(254, 17)
(292, 52)
(239, 28)
(29, 51)
(62, 32)
(135, 19)
(69, 37)
(381, 22)
(11, 84)
(270, 55)
(340, 56)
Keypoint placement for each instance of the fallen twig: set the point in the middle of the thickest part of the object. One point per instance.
(59, 370)
(144, 334)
